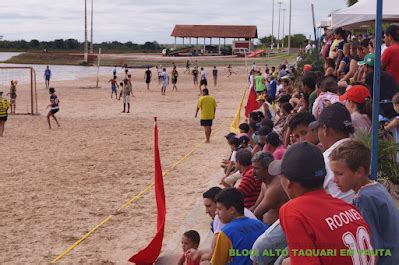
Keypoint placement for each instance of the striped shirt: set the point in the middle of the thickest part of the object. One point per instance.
(249, 187)
(4, 105)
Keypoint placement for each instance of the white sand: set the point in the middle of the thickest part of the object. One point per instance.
(58, 184)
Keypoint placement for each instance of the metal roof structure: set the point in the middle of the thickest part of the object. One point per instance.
(215, 31)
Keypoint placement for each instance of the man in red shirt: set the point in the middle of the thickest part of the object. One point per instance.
(249, 185)
(319, 229)
(390, 57)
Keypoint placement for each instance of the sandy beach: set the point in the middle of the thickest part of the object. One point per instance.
(58, 184)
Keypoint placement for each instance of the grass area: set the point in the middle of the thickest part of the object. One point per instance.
(76, 59)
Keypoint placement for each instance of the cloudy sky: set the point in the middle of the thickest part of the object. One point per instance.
(147, 20)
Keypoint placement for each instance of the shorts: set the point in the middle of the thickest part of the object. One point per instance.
(54, 111)
(147, 81)
(206, 123)
(3, 118)
(126, 99)
(204, 82)
(114, 89)
(47, 78)
(165, 84)
(13, 100)
(195, 78)
(174, 81)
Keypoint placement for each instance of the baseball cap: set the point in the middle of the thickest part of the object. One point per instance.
(265, 130)
(302, 161)
(368, 60)
(227, 136)
(393, 30)
(307, 68)
(335, 116)
(357, 93)
(261, 98)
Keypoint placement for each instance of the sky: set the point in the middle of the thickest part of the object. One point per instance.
(139, 21)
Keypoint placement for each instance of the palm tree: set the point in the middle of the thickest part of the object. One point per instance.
(351, 2)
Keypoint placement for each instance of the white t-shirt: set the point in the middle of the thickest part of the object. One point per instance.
(329, 185)
(233, 156)
(218, 225)
(203, 75)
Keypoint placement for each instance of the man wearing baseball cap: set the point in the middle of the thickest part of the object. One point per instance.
(313, 221)
(4, 105)
(390, 57)
(333, 128)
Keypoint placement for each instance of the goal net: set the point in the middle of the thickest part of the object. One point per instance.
(24, 81)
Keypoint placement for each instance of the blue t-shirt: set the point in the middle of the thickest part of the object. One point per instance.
(47, 73)
(239, 235)
(347, 61)
(380, 213)
(272, 89)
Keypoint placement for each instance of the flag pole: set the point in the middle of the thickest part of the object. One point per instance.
(376, 91)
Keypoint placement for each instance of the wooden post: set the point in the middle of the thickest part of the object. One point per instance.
(219, 45)
(175, 42)
(204, 46)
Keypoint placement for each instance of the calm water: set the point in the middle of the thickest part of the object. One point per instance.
(58, 72)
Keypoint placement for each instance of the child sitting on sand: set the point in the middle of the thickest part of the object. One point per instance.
(189, 240)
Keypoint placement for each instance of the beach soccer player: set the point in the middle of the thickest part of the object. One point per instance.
(207, 105)
(215, 75)
(129, 83)
(114, 71)
(230, 70)
(195, 76)
(204, 81)
(187, 67)
(147, 77)
(175, 74)
(114, 87)
(165, 81)
(126, 91)
(54, 107)
(159, 71)
(4, 105)
(13, 95)
(47, 76)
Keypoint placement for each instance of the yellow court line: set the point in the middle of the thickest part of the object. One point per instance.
(136, 197)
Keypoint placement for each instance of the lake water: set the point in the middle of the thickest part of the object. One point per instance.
(58, 72)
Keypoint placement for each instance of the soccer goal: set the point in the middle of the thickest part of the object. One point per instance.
(23, 79)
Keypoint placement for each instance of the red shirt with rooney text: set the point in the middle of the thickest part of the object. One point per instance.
(321, 229)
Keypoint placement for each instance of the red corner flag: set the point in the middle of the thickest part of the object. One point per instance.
(148, 255)
(252, 104)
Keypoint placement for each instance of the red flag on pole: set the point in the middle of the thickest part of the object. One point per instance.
(149, 254)
(252, 104)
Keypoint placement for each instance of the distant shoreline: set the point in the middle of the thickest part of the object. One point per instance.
(135, 60)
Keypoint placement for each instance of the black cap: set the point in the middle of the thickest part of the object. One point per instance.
(335, 116)
(265, 130)
(227, 136)
(393, 30)
(301, 161)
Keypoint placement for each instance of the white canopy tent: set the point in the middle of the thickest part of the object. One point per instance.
(362, 14)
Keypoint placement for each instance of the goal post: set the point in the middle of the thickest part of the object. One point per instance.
(24, 79)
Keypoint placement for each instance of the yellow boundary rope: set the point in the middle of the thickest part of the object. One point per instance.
(128, 203)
